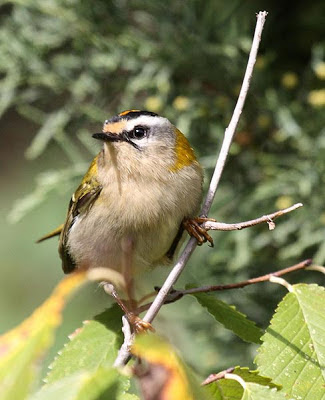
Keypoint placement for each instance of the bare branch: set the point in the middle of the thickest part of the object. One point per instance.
(124, 352)
(178, 294)
(228, 137)
(204, 289)
(216, 377)
(230, 131)
(269, 219)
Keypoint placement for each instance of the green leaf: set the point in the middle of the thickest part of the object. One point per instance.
(254, 377)
(293, 349)
(226, 389)
(22, 348)
(104, 383)
(253, 391)
(232, 390)
(95, 345)
(230, 318)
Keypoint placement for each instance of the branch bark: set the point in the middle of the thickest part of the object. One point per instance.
(269, 219)
(227, 140)
(213, 288)
(178, 294)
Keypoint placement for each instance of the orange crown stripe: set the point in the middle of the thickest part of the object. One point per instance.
(127, 112)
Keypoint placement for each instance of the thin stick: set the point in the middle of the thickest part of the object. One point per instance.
(269, 218)
(221, 226)
(216, 377)
(124, 352)
(230, 131)
(178, 294)
(204, 289)
(228, 136)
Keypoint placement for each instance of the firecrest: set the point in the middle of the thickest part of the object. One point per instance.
(145, 186)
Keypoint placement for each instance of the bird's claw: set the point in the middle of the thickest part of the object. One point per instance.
(194, 228)
(138, 324)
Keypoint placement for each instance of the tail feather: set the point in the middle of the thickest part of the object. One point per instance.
(55, 232)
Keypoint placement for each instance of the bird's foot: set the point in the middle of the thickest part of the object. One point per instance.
(138, 324)
(194, 228)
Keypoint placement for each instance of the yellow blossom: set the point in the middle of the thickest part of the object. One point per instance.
(316, 98)
(283, 202)
(320, 70)
(181, 103)
(289, 80)
(153, 103)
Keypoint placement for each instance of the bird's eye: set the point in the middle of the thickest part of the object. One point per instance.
(139, 132)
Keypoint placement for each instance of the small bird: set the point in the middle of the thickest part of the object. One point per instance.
(145, 186)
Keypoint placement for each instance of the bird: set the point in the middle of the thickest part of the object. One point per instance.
(143, 187)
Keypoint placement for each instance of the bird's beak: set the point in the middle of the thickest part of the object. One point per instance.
(107, 137)
(113, 137)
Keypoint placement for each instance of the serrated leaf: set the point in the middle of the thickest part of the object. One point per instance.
(293, 349)
(104, 383)
(22, 347)
(254, 377)
(226, 389)
(166, 376)
(230, 318)
(232, 390)
(95, 345)
(253, 391)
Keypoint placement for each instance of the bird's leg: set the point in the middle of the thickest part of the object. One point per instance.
(137, 324)
(194, 228)
(129, 306)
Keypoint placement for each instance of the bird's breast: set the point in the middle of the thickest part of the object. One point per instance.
(145, 213)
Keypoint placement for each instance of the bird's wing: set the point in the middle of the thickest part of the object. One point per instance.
(80, 203)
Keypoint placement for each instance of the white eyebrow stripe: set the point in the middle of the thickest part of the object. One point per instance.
(146, 120)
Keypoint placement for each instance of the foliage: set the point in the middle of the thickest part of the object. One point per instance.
(84, 67)
(230, 318)
(67, 65)
(300, 372)
(291, 357)
(23, 347)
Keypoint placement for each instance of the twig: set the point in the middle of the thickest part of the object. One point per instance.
(204, 289)
(269, 219)
(178, 294)
(228, 136)
(230, 131)
(216, 377)
(124, 352)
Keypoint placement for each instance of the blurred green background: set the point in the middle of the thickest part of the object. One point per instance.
(67, 65)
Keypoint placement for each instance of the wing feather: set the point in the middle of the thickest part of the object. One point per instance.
(80, 203)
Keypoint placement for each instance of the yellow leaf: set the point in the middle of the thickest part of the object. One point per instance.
(165, 376)
(21, 348)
